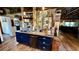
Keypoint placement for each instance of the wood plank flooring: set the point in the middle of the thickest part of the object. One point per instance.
(10, 44)
(69, 42)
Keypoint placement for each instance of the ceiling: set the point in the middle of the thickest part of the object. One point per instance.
(70, 13)
(67, 12)
(9, 10)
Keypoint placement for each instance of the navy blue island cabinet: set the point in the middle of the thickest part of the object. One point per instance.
(35, 41)
(23, 38)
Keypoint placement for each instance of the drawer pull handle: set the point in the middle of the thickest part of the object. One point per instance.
(43, 42)
(43, 47)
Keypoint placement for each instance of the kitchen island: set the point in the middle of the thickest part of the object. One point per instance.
(38, 40)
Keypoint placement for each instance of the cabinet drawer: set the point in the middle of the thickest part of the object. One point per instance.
(47, 39)
(44, 43)
(45, 48)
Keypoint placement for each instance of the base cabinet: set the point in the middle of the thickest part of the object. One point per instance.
(35, 41)
(23, 38)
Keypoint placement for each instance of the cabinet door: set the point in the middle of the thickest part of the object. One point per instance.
(25, 38)
(33, 41)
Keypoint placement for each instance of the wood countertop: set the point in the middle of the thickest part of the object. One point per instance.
(37, 33)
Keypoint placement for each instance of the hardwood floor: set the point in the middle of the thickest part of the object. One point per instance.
(67, 43)
(10, 44)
